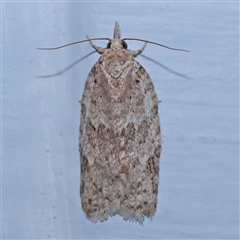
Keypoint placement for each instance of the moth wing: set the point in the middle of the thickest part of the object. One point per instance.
(120, 145)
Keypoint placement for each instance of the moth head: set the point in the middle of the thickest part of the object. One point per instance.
(117, 44)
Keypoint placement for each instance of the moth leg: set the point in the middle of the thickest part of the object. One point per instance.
(135, 53)
(98, 49)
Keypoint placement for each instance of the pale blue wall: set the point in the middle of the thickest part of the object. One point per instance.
(199, 189)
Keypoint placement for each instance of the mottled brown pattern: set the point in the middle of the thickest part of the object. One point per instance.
(120, 139)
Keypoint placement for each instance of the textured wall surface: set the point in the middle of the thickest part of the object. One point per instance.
(199, 172)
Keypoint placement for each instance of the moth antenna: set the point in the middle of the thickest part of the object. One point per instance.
(161, 45)
(66, 45)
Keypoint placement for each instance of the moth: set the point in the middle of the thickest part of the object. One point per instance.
(119, 135)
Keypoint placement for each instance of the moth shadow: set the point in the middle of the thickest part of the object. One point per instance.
(166, 68)
(79, 60)
(67, 68)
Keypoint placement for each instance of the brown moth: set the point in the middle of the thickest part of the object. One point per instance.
(120, 136)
